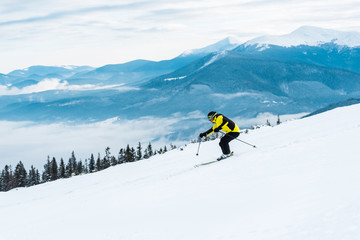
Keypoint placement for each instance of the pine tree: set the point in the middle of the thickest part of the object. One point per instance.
(106, 160)
(32, 178)
(121, 157)
(53, 170)
(12, 183)
(107, 153)
(92, 164)
(68, 170)
(6, 178)
(150, 150)
(138, 152)
(61, 173)
(98, 163)
(72, 163)
(1, 181)
(37, 177)
(86, 167)
(133, 154)
(47, 171)
(105, 163)
(20, 175)
(146, 155)
(129, 154)
(113, 161)
(79, 168)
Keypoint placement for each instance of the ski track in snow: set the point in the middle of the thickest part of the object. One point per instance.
(301, 182)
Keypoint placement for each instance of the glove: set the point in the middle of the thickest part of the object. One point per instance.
(202, 135)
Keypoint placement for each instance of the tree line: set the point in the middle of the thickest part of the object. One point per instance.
(53, 170)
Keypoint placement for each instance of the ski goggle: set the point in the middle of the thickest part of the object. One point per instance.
(211, 118)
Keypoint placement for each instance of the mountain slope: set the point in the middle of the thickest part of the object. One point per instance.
(347, 102)
(326, 55)
(300, 183)
(226, 44)
(139, 71)
(246, 85)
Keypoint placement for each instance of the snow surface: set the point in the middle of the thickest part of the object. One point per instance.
(176, 78)
(302, 182)
(228, 43)
(214, 58)
(311, 36)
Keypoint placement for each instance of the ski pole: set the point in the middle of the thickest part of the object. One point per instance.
(199, 140)
(240, 140)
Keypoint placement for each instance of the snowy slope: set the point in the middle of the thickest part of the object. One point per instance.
(311, 36)
(228, 43)
(300, 183)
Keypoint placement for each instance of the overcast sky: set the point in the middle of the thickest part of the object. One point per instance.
(95, 33)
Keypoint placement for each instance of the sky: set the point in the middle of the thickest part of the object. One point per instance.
(96, 33)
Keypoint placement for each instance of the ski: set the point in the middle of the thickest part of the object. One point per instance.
(205, 163)
(218, 160)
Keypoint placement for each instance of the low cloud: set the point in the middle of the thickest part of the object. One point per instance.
(31, 143)
(57, 84)
(234, 95)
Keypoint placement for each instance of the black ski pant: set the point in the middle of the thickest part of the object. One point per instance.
(224, 141)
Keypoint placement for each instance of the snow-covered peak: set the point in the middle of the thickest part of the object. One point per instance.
(228, 43)
(311, 36)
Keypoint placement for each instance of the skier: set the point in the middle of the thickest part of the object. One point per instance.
(225, 124)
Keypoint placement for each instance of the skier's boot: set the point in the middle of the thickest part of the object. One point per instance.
(224, 156)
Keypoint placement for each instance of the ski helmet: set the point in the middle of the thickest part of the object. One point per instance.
(211, 115)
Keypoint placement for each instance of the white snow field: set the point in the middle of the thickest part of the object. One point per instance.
(302, 182)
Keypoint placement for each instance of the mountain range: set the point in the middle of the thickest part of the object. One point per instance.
(299, 72)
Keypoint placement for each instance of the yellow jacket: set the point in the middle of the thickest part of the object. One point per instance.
(222, 123)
